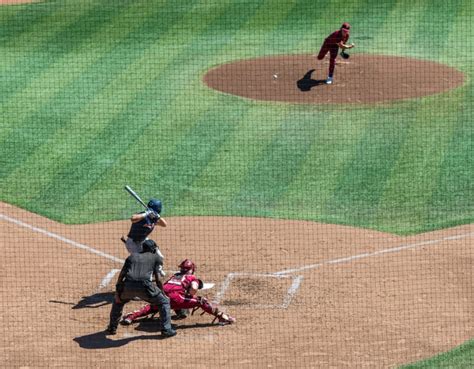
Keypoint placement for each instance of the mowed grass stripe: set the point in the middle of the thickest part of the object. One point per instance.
(31, 29)
(68, 94)
(38, 87)
(168, 82)
(156, 151)
(190, 139)
(274, 171)
(449, 204)
(136, 78)
(409, 191)
(249, 118)
(452, 201)
(70, 68)
(309, 193)
(66, 139)
(362, 181)
(402, 22)
(458, 45)
(313, 190)
(223, 177)
(18, 19)
(434, 28)
(19, 69)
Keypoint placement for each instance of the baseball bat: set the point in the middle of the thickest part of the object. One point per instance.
(135, 196)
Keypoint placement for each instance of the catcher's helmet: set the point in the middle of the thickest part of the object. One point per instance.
(155, 205)
(186, 266)
(149, 246)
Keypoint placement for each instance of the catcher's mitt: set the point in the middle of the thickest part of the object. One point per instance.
(345, 55)
(223, 318)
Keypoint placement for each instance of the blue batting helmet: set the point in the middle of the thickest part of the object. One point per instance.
(155, 205)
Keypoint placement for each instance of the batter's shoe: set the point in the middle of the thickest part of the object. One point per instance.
(168, 333)
(110, 331)
(329, 81)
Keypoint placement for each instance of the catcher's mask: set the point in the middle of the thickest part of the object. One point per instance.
(149, 246)
(155, 205)
(187, 266)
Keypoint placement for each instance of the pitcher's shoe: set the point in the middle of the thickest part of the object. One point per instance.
(329, 81)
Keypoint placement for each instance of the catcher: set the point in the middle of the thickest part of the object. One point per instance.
(182, 290)
(332, 43)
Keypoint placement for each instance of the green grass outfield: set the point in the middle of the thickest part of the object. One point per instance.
(96, 94)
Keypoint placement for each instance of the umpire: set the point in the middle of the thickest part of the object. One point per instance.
(135, 280)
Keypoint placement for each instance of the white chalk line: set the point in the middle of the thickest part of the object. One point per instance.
(291, 291)
(106, 280)
(60, 238)
(296, 281)
(371, 254)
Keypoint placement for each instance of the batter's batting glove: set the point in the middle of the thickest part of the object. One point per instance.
(153, 215)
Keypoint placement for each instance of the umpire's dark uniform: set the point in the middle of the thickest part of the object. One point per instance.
(135, 280)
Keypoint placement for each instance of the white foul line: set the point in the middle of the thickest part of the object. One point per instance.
(296, 281)
(370, 254)
(106, 280)
(63, 239)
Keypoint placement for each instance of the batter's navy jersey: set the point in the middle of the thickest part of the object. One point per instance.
(140, 230)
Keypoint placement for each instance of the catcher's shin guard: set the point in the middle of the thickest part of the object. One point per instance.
(222, 317)
(143, 311)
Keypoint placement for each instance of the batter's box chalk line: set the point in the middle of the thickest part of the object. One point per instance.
(288, 296)
(106, 280)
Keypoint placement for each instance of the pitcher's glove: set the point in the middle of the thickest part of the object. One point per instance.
(345, 55)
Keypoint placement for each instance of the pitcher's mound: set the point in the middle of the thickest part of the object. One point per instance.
(360, 79)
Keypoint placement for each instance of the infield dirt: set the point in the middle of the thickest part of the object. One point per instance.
(358, 305)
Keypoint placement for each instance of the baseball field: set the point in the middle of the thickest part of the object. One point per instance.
(335, 221)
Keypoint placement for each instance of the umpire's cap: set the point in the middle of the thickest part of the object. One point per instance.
(149, 246)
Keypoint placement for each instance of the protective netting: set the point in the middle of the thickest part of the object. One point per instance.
(329, 223)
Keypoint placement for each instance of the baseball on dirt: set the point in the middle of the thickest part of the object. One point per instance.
(275, 76)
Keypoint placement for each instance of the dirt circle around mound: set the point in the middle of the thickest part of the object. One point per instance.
(362, 79)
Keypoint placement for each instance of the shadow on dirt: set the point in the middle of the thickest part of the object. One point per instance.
(100, 340)
(95, 301)
(307, 83)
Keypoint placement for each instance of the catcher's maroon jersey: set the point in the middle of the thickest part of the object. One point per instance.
(175, 288)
